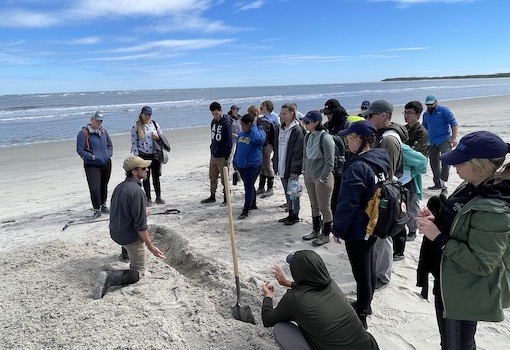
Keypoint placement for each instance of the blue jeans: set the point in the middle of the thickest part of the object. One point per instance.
(249, 176)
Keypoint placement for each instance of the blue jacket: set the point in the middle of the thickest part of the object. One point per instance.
(249, 148)
(358, 186)
(221, 137)
(439, 124)
(100, 149)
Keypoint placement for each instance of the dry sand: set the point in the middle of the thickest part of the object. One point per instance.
(184, 303)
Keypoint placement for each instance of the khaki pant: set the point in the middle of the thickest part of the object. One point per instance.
(216, 170)
(320, 196)
(267, 166)
(137, 256)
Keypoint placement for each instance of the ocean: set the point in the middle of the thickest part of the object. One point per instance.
(35, 118)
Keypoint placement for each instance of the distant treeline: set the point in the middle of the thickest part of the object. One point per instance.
(475, 76)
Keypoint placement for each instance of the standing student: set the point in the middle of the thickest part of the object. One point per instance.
(390, 137)
(318, 161)
(270, 121)
(471, 231)
(248, 159)
(288, 158)
(314, 302)
(442, 128)
(94, 146)
(221, 148)
(337, 121)
(351, 220)
(144, 135)
(128, 227)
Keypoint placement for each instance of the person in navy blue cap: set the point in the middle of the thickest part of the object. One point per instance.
(470, 230)
(350, 219)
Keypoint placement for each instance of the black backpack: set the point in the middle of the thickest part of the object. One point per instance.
(339, 158)
(270, 128)
(387, 209)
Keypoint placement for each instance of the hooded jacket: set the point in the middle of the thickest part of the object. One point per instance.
(221, 137)
(475, 266)
(393, 146)
(249, 148)
(358, 186)
(100, 148)
(294, 151)
(319, 307)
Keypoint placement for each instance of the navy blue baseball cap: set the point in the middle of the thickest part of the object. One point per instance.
(478, 144)
(147, 109)
(312, 116)
(362, 128)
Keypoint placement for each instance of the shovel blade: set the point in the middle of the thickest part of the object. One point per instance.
(243, 313)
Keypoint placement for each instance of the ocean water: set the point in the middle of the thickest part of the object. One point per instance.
(34, 118)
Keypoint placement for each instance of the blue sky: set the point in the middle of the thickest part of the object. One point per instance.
(88, 45)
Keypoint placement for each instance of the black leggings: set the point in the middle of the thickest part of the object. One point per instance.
(361, 257)
(97, 179)
(155, 169)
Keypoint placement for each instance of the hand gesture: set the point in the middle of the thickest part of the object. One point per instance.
(426, 214)
(268, 290)
(427, 228)
(280, 277)
(157, 253)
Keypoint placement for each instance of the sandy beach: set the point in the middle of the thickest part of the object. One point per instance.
(184, 302)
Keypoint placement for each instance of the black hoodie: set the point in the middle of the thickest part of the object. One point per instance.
(319, 307)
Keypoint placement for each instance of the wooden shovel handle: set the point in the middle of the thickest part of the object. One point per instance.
(226, 181)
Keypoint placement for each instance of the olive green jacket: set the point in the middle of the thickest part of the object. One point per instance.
(475, 267)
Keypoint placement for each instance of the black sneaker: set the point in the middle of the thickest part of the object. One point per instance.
(149, 202)
(243, 215)
(211, 199)
(97, 214)
(435, 187)
(411, 236)
(105, 209)
(398, 257)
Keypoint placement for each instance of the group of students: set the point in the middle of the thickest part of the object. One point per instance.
(94, 146)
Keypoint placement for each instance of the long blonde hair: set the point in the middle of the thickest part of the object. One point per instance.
(140, 127)
(493, 168)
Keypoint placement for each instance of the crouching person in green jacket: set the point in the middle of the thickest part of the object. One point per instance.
(324, 317)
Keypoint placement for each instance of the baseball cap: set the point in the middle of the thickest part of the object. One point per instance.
(378, 106)
(147, 109)
(362, 128)
(430, 99)
(312, 116)
(478, 144)
(235, 107)
(97, 115)
(133, 162)
(365, 104)
(330, 106)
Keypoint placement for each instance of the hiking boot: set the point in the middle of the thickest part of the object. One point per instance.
(97, 214)
(293, 218)
(287, 218)
(411, 236)
(435, 187)
(113, 278)
(268, 193)
(211, 199)
(398, 257)
(444, 192)
(380, 284)
(243, 215)
(262, 184)
(284, 205)
(316, 229)
(224, 203)
(104, 209)
(354, 305)
(149, 202)
(124, 256)
(322, 239)
(160, 201)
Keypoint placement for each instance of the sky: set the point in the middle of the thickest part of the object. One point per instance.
(103, 45)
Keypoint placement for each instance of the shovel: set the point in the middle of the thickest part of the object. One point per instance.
(241, 313)
(166, 212)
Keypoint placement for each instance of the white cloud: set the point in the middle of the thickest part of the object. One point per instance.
(27, 19)
(90, 40)
(178, 45)
(250, 6)
(190, 24)
(407, 49)
(407, 3)
(15, 43)
(100, 8)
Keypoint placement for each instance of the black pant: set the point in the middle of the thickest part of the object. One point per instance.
(97, 179)
(455, 334)
(362, 259)
(155, 169)
(399, 240)
(334, 194)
